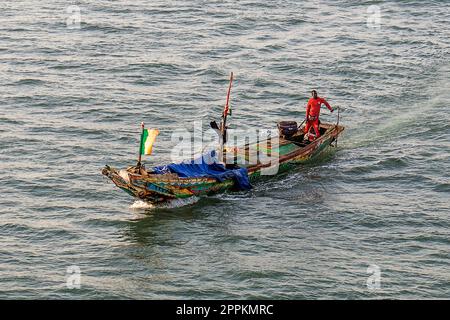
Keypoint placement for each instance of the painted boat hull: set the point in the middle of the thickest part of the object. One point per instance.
(157, 188)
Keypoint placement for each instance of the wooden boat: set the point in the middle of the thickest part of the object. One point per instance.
(157, 188)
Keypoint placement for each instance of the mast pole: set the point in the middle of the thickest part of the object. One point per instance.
(223, 128)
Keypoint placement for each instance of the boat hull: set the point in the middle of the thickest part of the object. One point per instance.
(157, 188)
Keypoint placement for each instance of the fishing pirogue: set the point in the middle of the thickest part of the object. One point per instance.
(229, 168)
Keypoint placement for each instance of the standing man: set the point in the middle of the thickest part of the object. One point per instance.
(313, 111)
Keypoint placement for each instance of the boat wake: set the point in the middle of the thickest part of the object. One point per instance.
(176, 203)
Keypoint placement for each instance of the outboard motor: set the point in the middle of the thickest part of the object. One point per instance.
(287, 128)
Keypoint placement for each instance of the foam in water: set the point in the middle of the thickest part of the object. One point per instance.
(176, 203)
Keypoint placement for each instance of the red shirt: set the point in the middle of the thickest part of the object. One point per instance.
(313, 106)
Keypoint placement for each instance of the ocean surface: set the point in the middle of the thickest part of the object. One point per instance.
(369, 220)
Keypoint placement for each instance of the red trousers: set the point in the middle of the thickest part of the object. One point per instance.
(315, 125)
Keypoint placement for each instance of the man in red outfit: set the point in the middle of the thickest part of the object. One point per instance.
(313, 111)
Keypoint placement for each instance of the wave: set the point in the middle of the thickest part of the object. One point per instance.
(177, 203)
(29, 82)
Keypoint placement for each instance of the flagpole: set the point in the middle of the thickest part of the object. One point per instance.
(140, 146)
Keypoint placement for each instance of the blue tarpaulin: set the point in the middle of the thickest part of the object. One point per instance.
(207, 166)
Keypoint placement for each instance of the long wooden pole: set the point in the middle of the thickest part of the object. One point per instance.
(140, 145)
(223, 129)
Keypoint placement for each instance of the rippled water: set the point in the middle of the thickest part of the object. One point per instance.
(72, 100)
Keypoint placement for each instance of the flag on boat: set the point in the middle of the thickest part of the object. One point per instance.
(227, 110)
(147, 140)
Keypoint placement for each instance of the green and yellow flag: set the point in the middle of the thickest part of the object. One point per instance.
(147, 139)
